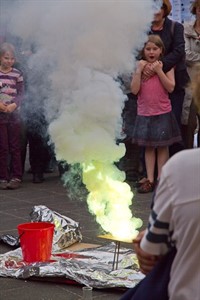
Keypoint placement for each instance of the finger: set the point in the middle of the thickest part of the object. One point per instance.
(145, 270)
(145, 261)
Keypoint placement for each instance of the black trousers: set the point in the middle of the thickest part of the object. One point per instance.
(177, 98)
(39, 154)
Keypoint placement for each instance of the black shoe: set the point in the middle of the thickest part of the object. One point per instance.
(38, 178)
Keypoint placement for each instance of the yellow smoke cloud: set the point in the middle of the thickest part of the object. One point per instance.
(109, 199)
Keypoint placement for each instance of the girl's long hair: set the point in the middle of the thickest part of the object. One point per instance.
(154, 38)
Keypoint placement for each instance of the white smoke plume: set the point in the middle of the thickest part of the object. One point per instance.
(83, 46)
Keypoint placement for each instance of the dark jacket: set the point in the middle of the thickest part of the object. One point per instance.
(172, 36)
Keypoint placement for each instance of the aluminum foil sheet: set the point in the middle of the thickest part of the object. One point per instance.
(90, 267)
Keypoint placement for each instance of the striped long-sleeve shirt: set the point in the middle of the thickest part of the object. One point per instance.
(11, 87)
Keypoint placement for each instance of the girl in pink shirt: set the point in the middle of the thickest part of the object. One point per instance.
(155, 127)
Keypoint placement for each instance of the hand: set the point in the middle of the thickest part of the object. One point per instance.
(11, 107)
(146, 260)
(148, 71)
(157, 66)
(141, 65)
(3, 107)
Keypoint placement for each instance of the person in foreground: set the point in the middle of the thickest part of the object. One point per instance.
(174, 222)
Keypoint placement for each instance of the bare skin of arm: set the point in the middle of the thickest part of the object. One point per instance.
(11, 107)
(167, 79)
(3, 107)
(145, 70)
(137, 76)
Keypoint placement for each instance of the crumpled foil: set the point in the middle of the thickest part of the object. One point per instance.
(66, 233)
(10, 240)
(90, 267)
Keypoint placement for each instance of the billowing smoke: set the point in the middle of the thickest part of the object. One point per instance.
(83, 46)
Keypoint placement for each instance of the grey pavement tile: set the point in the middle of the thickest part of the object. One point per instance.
(25, 290)
(12, 204)
(20, 212)
(9, 222)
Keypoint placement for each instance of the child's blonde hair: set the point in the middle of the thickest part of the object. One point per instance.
(154, 38)
(7, 47)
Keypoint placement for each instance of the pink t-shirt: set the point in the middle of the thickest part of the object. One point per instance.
(153, 98)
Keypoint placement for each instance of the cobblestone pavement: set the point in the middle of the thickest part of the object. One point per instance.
(15, 206)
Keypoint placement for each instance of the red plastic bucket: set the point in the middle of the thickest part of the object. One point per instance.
(36, 241)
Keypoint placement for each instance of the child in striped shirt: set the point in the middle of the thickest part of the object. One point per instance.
(11, 94)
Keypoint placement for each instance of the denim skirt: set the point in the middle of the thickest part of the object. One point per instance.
(160, 130)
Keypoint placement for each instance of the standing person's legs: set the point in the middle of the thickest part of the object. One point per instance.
(150, 159)
(4, 152)
(37, 156)
(49, 159)
(14, 130)
(23, 143)
(132, 156)
(132, 161)
(162, 157)
(177, 98)
(198, 133)
(189, 129)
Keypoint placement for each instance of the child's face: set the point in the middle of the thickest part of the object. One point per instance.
(152, 52)
(7, 60)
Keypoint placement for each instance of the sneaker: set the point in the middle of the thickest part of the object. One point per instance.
(14, 184)
(3, 185)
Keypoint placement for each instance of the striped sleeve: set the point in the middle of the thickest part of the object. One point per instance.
(157, 238)
(19, 87)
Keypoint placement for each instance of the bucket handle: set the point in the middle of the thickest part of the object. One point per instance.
(18, 239)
